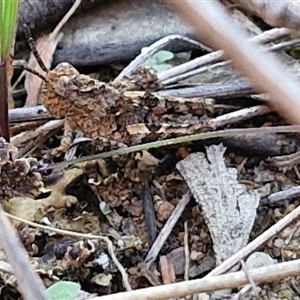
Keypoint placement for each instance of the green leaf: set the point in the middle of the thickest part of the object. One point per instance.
(162, 56)
(158, 59)
(161, 67)
(8, 22)
(63, 290)
(149, 63)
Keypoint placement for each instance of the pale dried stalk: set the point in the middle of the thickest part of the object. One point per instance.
(29, 284)
(20, 139)
(255, 244)
(267, 74)
(181, 289)
(265, 37)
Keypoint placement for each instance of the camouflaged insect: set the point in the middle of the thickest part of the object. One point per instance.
(107, 113)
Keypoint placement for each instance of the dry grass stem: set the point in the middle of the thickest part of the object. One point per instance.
(166, 230)
(168, 76)
(228, 281)
(30, 285)
(255, 244)
(24, 137)
(266, 73)
(180, 140)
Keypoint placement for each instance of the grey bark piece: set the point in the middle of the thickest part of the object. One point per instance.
(229, 209)
(112, 31)
(122, 20)
(97, 54)
(116, 31)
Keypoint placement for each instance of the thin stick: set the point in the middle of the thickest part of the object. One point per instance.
(30, 284)
(240, 115)
(186, 251)
(208, 61)
(179, 140)
(181, 289)
(23, 114)
(160, 44)
(267, 74)
(283, 195)
(255, 244)
(224, 90)
(65, 19)
(245, 269)
(19, 139)
(165, 232)
(265, 37)
(110, 247)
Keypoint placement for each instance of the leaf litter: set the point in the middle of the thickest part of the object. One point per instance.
(140, 198)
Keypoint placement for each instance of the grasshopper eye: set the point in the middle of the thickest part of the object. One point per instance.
(64, 65)
(65, 68)
(63, 86)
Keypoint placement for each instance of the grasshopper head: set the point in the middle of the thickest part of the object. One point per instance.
(58, 89)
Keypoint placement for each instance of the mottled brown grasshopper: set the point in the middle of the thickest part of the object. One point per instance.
(123, 112)
(110, 114)
(116, 112)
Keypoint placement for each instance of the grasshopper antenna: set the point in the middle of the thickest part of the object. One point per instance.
(33, 49)
(17, 64)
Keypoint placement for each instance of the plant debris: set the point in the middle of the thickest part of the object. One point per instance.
(229, 209)
(172, 213)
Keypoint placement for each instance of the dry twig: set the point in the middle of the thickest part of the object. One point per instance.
(160, 44)
(233, 280)
(255, 244)
(168, 76)
(20, 139)
(33, 113)
(30, 284)
(166, 230)
(220, 32)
